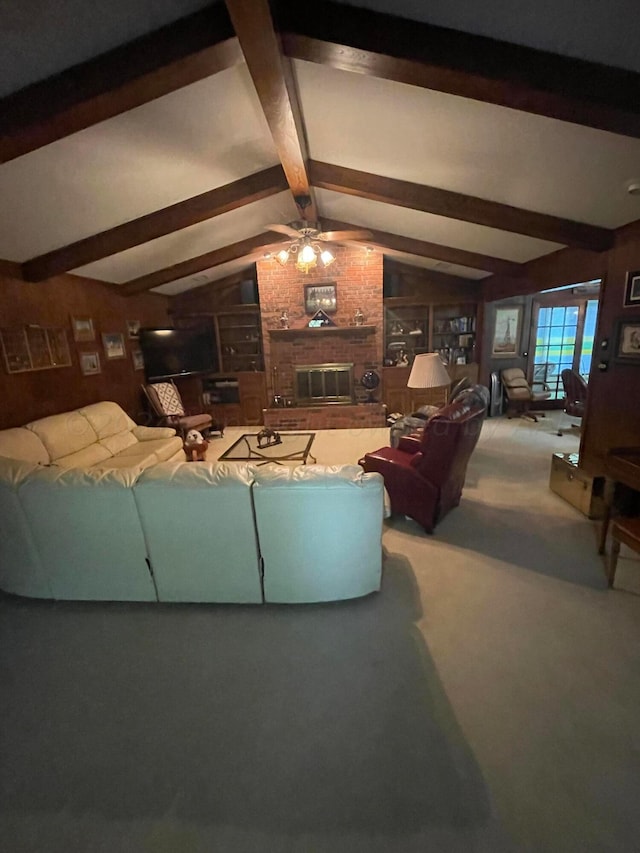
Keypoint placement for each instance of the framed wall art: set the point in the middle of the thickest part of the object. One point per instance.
(632, 290)
(320, 297)
(506, 332)
(138, 359)
(627, 347)
(133, 329)
(89, 363)
(114, 345)
(83, 330)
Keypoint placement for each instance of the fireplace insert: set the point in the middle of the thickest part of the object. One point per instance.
(324, 384)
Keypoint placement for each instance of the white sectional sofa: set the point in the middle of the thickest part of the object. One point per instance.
(177, 531)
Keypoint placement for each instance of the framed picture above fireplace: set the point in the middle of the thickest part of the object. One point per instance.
(320, 297)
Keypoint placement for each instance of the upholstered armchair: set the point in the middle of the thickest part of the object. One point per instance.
(425, 474)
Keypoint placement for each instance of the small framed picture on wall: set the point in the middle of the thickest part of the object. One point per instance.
(632, 290)
(89, 363)
(114, 345)
(83, 329)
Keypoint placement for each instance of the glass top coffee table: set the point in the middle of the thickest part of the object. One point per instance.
(293, 447)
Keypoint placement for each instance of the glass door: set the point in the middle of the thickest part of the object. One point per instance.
(564, 339)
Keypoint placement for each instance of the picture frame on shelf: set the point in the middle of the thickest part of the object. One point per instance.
(90, 363)
(113, 343)
(505, 342)
(627, 341)
(632, 290)
(320, 297)
(138, 359)
(83, 329)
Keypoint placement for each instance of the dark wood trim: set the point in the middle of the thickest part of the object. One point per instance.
(566, 266)
(130, 75)
(232, 252)
(485, 69)
(157, 224)
(305, 331)
(458, 206)
(276, 91)
(424, 249)
(11, 269)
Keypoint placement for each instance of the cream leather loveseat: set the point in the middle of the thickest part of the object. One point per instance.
(178, 531)
(100, 435)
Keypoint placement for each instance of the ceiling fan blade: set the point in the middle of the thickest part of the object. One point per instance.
(337, 236)
(283, 229)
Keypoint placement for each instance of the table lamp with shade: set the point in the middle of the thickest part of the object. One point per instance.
(428, 371)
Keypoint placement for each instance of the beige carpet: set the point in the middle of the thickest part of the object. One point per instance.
(485, 700)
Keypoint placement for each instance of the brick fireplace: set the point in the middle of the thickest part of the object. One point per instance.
(357, 275)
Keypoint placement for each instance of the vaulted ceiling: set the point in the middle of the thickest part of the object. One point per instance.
(150, 145)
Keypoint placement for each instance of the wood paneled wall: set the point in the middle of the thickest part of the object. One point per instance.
(613, 407)
(27, 396)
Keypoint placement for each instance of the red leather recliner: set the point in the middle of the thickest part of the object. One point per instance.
(425, 474)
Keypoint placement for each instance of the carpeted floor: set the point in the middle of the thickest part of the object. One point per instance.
(485, 700)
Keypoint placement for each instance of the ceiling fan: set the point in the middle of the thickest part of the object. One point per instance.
(307, 239)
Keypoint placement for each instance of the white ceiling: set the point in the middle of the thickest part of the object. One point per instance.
(213, 132)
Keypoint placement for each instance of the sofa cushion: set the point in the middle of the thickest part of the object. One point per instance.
(144, 433)
(199, 528)
(107, 418)
(21, 572)
(22, 443)
(305, 561)
(84, 458)
(163, 448)
(119, 441)
(64, 434)
(87, 533)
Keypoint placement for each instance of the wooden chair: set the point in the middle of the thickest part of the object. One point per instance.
(166, 404)
(623, 531)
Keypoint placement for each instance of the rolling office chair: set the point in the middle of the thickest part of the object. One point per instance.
(575, 396)
(520, 395)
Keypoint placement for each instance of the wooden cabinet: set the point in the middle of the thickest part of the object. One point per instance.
(236, 399)
(238, 332)
(412, 328)
(398, 398)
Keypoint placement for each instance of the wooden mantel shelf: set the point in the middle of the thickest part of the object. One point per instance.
(322, 330)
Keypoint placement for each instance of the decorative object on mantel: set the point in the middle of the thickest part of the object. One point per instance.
(306, 246)
(358, 318)
(320, 297)
(371, 381)
(34, 347)
(284, 320)
(320, 320)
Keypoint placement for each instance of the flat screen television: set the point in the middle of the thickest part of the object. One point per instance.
(177, 352)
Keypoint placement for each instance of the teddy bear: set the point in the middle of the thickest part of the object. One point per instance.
(195, 446)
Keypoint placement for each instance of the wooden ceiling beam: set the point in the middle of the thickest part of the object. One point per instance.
(458, 206)
(154, 65)
(232, 252)
(472, 66)
(157, 224)
(276, 91)
(424, 249)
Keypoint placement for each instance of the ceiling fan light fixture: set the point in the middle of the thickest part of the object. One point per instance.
(327, 257)
(282, 256)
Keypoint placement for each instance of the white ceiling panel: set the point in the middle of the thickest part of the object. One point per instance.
(436, 266)
(478, 149)
(201, 137)
(193, 241)
(172, 288)
(433, 229)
